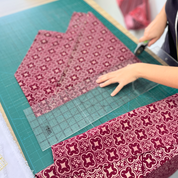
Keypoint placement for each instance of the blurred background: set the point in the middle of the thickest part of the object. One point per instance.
(112, 8)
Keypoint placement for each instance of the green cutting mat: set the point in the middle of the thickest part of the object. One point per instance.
(17, 32)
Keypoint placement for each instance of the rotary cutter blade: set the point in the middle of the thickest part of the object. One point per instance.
(141, 47)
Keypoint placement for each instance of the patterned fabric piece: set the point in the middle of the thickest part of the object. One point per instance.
(45, 62)
(142, 130)
(161, 163)
(128, 168)
(58, 62)
(49, 172)
(98, 50)
(124, 168)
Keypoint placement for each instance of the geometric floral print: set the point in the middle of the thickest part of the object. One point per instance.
(45, 62)
(56, 62)
(129, 151)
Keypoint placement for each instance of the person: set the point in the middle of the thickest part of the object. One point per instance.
(165, 75)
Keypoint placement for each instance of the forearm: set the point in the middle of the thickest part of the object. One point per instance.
(164, 75)
(156, 28)
(162, 15)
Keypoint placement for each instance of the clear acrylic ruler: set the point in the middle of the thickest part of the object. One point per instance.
(77, 113)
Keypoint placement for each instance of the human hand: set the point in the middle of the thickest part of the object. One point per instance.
(155, 29)
(122, 76)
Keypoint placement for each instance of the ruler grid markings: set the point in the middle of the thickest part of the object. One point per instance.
(28, 26)
(81, 111)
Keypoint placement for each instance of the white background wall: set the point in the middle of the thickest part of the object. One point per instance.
(155, 7)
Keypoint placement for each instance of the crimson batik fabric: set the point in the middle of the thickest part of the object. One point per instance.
(160, 163)
(47, 58)
(58, 62)
(49, 172)
(140, 143)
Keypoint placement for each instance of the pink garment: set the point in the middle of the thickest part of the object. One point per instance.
(56, 64)
(136, 13)
(136, 143)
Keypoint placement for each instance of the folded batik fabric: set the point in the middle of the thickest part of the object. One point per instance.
(49, 172)
(57, 63)
(138, 143)
(139, 131)
(159, 163)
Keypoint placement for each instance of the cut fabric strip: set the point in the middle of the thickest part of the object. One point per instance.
(45, 62)
(57, 62)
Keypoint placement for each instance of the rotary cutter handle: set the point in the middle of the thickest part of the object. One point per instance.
(141, 47)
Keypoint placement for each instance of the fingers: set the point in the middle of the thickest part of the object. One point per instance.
(103, 78)
(144, 38)
(152, 41)
(100, 80)
(117, 90)
(108, 82)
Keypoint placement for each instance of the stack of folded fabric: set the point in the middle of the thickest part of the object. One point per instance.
(57, 62)
(140, 143)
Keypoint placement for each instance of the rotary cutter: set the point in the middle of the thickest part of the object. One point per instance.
(141, 47)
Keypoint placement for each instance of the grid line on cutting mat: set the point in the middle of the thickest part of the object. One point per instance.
(80, 112)
(17, 33)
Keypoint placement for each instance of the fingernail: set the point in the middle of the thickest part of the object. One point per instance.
(97, 81)
(112, 94)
